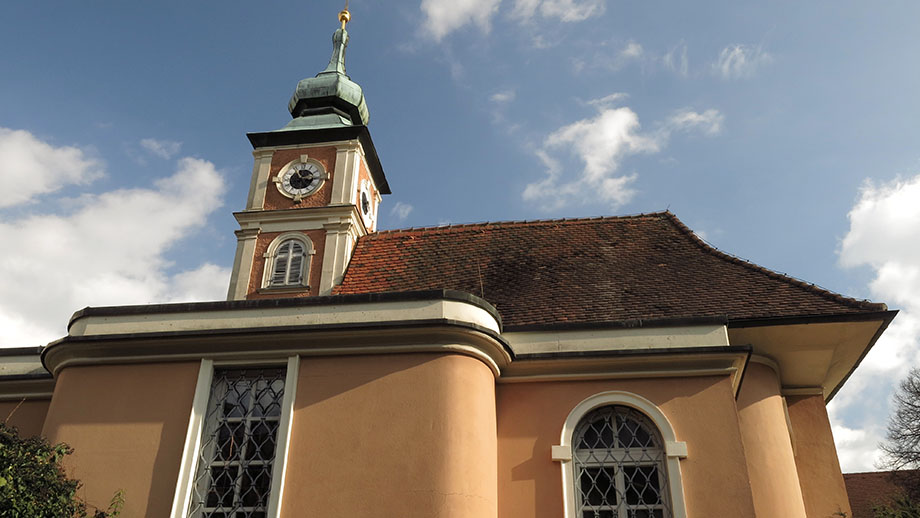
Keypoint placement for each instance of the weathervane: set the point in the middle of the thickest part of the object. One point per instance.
(344, 15)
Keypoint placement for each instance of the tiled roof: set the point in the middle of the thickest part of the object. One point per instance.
(648, 266)
(867, 490)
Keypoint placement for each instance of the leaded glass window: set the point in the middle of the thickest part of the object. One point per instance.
(240, 433)
(619, 464)
(288, 267)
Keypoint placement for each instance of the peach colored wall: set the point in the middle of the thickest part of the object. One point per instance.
(318, 237)
(127, 425)
(823, 488)
(393, 436)
(325, 155)
(28, 416)
(701, 410)
(767, 445)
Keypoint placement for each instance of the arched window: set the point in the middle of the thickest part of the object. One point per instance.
(287, 262)
(618, 460)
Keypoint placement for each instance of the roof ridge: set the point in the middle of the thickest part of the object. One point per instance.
(518, 222)
(788, 279)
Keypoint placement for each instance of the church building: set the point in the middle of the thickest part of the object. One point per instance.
(613, 367)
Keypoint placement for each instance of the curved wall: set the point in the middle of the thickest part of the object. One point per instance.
(768, 446)
(823, 488)
(127, 426)
(393, 436)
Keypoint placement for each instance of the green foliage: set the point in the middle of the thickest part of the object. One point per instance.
(900, 507)
(33, 483)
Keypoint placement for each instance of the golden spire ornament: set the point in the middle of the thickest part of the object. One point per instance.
(344, 15)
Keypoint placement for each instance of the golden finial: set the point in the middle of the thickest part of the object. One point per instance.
(344, 15)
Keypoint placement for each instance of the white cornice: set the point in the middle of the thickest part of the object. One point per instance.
(403, 326)
(308, 218)
(350, 143)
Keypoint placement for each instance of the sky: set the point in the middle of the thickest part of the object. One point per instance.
(784, 133)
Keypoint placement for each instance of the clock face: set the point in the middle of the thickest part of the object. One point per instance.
(302, 179)
(366, 205)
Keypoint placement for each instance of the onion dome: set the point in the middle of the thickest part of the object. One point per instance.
(331, 98)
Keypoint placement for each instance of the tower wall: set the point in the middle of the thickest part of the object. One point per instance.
(274, 200)
(331, 217)
(318, 237)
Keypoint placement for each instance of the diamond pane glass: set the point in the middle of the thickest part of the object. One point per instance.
(233, 478)
(619, 466)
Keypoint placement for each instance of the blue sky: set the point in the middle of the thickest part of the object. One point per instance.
(784, 133)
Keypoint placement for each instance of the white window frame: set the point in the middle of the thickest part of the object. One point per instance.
(272, 253)
(188, 465)
(674, 450)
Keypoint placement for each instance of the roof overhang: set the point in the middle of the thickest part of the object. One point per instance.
(814, 354)
(22, 375)
(665, 362)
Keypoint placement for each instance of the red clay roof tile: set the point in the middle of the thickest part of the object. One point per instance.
(647, 266)
(869, 489)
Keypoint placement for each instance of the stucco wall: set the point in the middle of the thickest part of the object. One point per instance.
(701, 410)
(768, 445)
(127, 425)
(393, 436)
(823, 488)
(28, 416)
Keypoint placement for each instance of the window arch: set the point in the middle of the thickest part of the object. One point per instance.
(287, 262)
(620, 459)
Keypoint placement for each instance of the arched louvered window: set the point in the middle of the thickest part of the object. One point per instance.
(288, 262)
(619, 461)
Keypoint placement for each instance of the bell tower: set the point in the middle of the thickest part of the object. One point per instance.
(316, 188)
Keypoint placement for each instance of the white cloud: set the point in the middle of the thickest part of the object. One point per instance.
(736, 61)
(108, 248)
(161, 148)
(609, 100)
(884, 235)
(445, 16)
(525, 9)
(30, 167)
(401, 211)
(606, 57)
(505, 96)
(709, 122)
(207, 282)
(676, 60)
(632, 50)
(630, 53)
(601, 143)
(563, 10)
